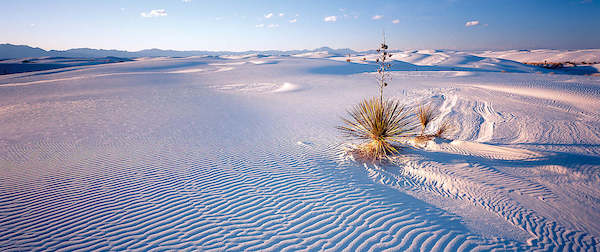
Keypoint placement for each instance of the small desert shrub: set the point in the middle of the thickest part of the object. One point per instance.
(381, 123)
(444, 129)
(426, 114)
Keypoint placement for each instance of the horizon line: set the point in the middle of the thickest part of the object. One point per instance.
(284, 50)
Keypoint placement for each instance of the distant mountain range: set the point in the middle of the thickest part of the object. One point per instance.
(10, 51)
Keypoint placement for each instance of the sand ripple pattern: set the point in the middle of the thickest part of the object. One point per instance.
(167, 194)
(490, 189)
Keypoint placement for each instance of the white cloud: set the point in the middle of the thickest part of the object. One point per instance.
(293, 21)
(273, 26)
(154, 13)
(396, 21)
(260, 25)
(330, 19)
(281, 14)
(269, 15)
(377, 17)
(472, 23)
(186, 1)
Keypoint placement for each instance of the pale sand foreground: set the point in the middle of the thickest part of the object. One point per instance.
(242, 154)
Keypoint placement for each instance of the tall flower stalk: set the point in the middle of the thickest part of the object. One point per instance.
(383, 67)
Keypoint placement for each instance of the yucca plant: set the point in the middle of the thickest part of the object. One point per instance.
(381, 124)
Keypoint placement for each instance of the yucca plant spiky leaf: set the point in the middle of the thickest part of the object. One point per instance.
(381, 123)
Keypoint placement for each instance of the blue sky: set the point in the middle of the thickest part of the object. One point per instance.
(270, 24)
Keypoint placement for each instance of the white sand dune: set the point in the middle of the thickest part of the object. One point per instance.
(541, 55)
(317, 55)
(436, 60)
(192, 70)
(287, 87)
(258, 87)
(209, 154)
(583, 99)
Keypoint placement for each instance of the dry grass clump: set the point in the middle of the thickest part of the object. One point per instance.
(426, 114)
(444, 129)
(381, 124)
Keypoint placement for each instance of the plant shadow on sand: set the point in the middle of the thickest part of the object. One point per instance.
(489, 182)
(412, 224)
(572, 165)
(561, 145)
(571, 161)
